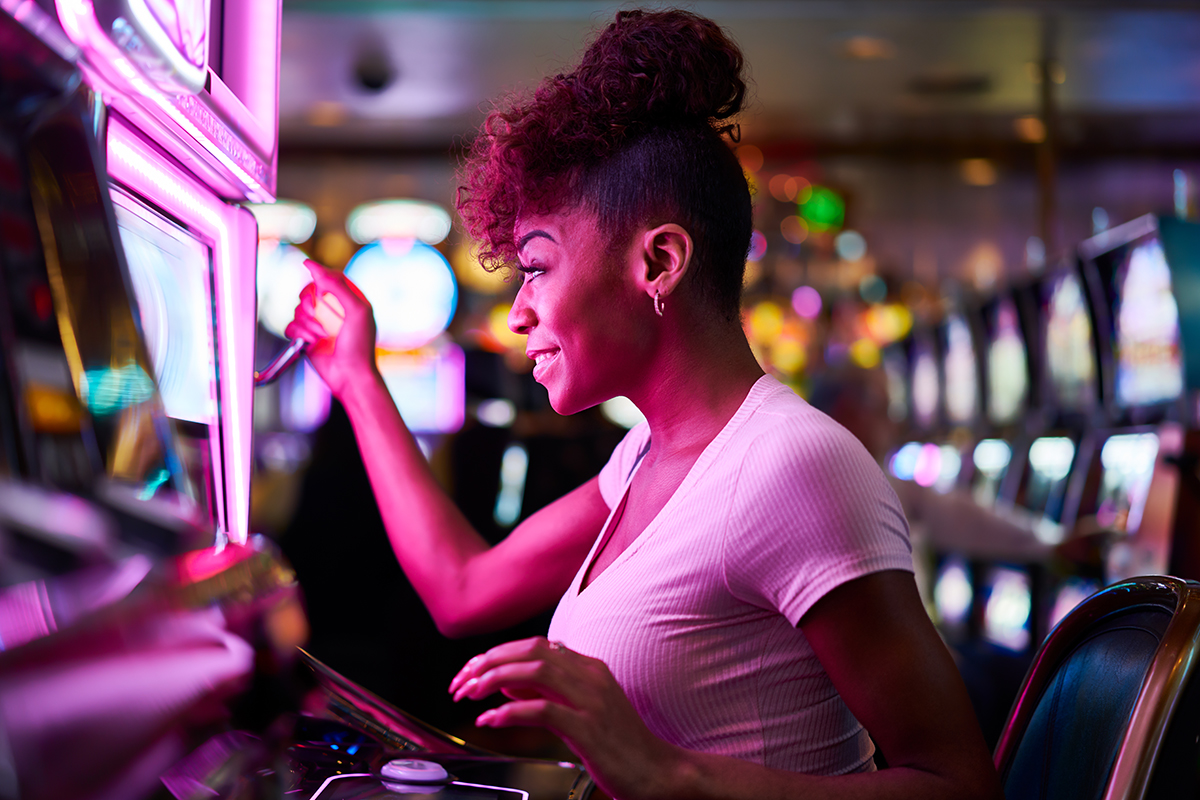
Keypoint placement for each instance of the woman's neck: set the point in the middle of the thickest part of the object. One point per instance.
(695, 387)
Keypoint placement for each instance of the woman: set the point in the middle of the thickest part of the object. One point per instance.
(736, 588)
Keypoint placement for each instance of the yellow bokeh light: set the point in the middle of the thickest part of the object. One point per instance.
(865, 353)
(766, 322)
(472, 275)
(788, 356)
(498, 328)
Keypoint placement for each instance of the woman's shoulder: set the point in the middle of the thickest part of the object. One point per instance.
(786, 428)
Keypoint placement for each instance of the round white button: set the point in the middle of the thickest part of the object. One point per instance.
(411, 770)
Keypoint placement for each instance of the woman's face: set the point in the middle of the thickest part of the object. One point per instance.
(583, 310)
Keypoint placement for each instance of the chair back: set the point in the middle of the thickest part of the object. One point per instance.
(1094, 710)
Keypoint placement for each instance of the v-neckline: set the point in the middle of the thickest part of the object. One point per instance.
(759, 390)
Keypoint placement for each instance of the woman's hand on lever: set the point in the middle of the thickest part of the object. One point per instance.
(578, 699)
(338, 322)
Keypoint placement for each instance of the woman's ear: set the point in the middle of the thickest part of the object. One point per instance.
(666, 255)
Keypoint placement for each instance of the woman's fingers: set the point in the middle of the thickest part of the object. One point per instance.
(518, 650)
(527, 678)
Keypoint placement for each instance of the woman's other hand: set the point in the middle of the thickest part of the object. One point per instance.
(338, 323)
(578, 699)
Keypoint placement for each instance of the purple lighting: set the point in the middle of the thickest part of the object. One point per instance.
(807, 302)
(232, 233)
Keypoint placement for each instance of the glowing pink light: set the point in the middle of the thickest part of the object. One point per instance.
(119, 79)
(758, 246)
(233, 235)
(929, 465)
(807, 302)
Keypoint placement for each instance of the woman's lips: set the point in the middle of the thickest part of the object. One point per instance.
(542, 360)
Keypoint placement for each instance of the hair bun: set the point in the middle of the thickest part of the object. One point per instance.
(661, 67)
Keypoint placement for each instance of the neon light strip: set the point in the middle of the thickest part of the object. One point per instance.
(191, 75)
(79, 21)
(504, 789)
(234, 235)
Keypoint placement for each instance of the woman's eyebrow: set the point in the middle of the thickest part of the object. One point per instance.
(533, 235)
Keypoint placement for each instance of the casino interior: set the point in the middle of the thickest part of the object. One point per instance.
(976, 247)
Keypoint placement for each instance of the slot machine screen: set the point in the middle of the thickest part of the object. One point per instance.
(895, 370)
(1008, 608)
(960, 370)
(1127, 462)
(1071, 593)
(1045, 481)
(953, 594)
(171, 272)
(1148, 364)
(991, 458)
(926, 387)
(1069, 355)
(1007, 363)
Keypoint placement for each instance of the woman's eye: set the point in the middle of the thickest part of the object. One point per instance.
(529, 272)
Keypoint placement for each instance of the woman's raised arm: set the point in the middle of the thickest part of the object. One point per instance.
(467, 585)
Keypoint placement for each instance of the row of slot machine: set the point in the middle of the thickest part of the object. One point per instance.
(148, 641)
(1050, 446)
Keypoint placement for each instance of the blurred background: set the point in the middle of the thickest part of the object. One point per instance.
(910, 161)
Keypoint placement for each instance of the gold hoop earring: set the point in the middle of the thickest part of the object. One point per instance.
(658, 303)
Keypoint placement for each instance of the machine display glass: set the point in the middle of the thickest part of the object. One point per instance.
(172, 279)
(1128, 465)
(953, 593)
(1007, 364)
(926, 388)
(1070, 355)
(991, 458)
(1050, 460)
(1008, 608)
(171, 272)
(895, 370)
(962, 383)
(1149, 365)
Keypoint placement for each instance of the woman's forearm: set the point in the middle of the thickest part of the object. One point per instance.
(433, 541)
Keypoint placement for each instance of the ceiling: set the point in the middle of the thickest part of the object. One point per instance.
(832, 76)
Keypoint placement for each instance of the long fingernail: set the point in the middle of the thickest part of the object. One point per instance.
(465, 689)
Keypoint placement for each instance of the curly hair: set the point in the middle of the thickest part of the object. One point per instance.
(637, 135)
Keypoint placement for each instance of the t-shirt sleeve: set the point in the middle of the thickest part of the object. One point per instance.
(812, 510)
(620, 464)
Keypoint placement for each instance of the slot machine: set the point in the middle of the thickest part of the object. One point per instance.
(137, 610)
(1138, 275)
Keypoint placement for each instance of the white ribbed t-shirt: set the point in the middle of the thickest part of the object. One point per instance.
(697, 617)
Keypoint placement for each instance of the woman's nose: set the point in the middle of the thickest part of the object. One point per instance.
(521, 318)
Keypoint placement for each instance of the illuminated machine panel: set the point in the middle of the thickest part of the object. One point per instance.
(960, 371)
(1134, 288)
(1070, 355)
(171, 272)
(1127, 461)
(925, 383)
(229, 233)
(148, 60)
(1007, 364)
(1008, 609)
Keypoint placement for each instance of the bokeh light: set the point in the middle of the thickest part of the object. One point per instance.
(872, 289)
(807, 302)
(750, 157)
(472, 275)
(499, 330)
(850, 245)
(281, 276)
(794, 229)
(411, 288)
(765, 322)
(758, 246)
(284, 220)
(824, 210)
(398, 219)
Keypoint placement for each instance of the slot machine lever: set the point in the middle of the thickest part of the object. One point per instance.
(290, 355)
